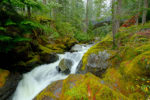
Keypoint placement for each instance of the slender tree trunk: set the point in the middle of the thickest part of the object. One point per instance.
(145, 11)
(116, 14)
(86, 19)
(113, 21)
(137, 17)
(29, 11)
(44, 2)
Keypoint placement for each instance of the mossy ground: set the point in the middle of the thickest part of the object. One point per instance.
(130, 70)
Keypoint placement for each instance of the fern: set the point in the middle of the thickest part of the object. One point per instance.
(5, 38)
(22, 39)
(2, 29)
(10, 22)
(31, 24)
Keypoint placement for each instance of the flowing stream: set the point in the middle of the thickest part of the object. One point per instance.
(39, 78)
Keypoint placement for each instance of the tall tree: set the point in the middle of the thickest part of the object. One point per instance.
(116, 12)
(145, 11)
(139, 7)
(44, 1)
(86, 17)
(29, 11)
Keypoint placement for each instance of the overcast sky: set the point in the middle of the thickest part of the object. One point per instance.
(107, 2)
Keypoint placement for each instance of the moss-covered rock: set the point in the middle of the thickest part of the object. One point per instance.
(129, 70)
(96, 59)
(79, 87)
(3, 77)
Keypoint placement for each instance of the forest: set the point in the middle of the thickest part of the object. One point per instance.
(74, 50)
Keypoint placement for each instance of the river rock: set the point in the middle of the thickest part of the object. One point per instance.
(9, 88)
(96, 63)
(65, 66)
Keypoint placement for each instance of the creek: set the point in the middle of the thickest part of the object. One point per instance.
(40, 77)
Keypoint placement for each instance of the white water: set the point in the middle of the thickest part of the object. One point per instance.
(39, 78)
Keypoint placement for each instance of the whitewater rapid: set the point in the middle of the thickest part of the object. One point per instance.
(39, 78)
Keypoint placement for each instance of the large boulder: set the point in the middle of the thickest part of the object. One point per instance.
(79, 87)
(10, 84)
(96, 63)
(65, 66)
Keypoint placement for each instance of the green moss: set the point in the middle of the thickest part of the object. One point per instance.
(45, 49)
(105, 44)
(34, 59)
(136, 96)
(140, 65)
(90, 87)
(80, 87)
(109, 94)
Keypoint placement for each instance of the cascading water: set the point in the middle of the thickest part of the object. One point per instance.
(39, 78)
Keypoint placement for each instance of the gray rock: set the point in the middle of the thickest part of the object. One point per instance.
(9, 88)
(64, 66)
(97, 64)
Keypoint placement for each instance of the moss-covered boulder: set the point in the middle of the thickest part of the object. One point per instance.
(8, 83)
(97, 63)
(78, 87)
(96, 59)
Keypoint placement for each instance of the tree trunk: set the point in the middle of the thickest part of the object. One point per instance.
(29, 11)
(44, 2)
(116, 12)
(86, 19)
(145, 11)
(137, 17)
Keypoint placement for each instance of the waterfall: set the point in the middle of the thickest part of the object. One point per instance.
(39, 78)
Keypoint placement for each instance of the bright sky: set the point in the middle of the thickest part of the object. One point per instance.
(107, 2)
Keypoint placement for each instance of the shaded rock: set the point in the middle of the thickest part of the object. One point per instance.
(48, 58)
(10, 86)
(64, 66)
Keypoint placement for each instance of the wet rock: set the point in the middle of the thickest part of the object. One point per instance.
(10, 86)
(64, 66)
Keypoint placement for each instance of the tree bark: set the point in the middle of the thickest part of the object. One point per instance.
(29, 11)
(86, 19)
(139, 7)
(44, 2)
(145, 11)
(116, 14)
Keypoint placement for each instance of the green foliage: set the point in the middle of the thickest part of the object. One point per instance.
(31, 24)
(21, 39)
(82, 37)
(10, 23)
(2, 29)
(5, 38)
